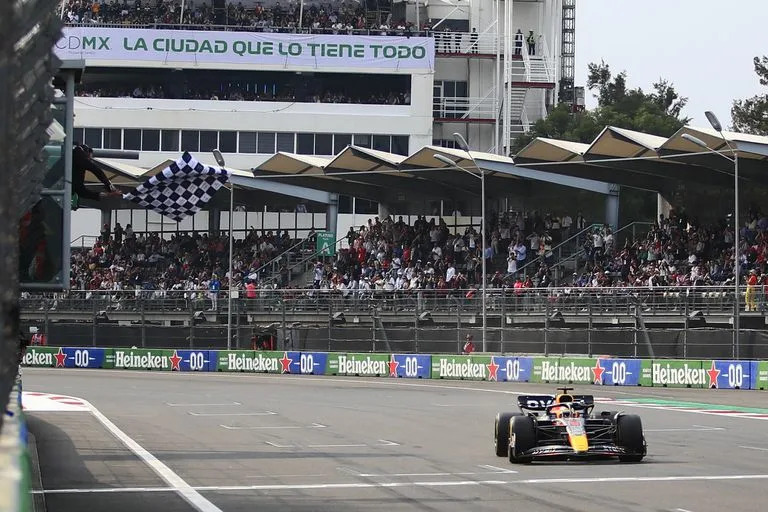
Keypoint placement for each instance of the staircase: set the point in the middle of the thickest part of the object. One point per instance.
(518, 104)
(539, 69)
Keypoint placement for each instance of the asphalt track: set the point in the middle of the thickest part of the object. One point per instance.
(239, 442)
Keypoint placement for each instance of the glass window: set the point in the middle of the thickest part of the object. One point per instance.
(150, 140)
(305, 143)
(381, 142)
(93, 137)
(266, 142)
(228, 142)
(461, 89)
(285, 142)
(113, 138)
(366, 207)
(345, 204)
(449, 89)
(77, 136)
(400, 144)
(247, 142)
(132, 139)
(323, 144)
(341, 141)
(364, 141)
(190, 140)
(170, 140)
(209, 140)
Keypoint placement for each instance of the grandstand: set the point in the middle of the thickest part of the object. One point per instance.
(332, 115)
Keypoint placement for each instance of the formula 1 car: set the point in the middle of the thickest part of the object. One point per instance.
(564, 427)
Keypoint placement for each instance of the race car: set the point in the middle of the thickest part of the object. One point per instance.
(564, 427)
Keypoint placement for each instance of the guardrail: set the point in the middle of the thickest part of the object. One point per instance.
(604, 371)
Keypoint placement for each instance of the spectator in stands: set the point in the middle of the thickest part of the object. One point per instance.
(469, 345)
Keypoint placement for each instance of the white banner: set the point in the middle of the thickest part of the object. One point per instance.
(110, 46)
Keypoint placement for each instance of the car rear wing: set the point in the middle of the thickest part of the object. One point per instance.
(540, 402)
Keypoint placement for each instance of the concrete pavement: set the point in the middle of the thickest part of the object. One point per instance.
(271, 442)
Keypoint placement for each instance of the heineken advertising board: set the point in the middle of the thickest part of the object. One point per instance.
(460, 367)
(759, 372)
(252, 361)
(410, 366)
(143, 359)
(44, 356)
(728, 374)
(674, 373)
(194, 360)
(307, 363)
(721, 374)
(363, 365)
(191, 48)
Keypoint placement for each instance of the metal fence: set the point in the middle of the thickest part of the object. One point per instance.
(658, 322)
(28, 30)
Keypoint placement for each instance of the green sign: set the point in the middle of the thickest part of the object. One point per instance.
(142, 359)
(325, 244)
(363, 365)
(761, 380)
(564, 370)
(460, 367)
(249, 361)
(41, 356)
(674, 373)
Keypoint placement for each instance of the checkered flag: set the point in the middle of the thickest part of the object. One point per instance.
(181, 189)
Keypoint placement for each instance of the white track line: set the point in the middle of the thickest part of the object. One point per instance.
(452, 483)
(265, 413)
(695, 429)
(228, 404)
(754, 448)
(177, 484)
(314, 425)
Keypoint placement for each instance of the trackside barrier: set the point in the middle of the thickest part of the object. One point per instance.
(605, 371)
(14, 457)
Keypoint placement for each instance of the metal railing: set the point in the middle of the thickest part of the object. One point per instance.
(458, 107)
(571, 246)
(523, 301)
(445, 42)
(625, 322)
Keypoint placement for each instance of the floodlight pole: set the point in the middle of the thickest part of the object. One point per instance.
(220, 160)
(736, 256)
(481, 175)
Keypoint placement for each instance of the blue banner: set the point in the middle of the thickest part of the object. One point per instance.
(76, 357)
(514, 369)
(308, 363)
(725, 374)
(620, 372)
(192, 360)
(411, 366)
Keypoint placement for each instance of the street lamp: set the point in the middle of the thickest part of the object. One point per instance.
(481, 176)
(220, 160)
(736, 263)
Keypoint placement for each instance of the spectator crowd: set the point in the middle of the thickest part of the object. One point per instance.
(677, 251)
(231, 93)
(337, 17)
(384, 254)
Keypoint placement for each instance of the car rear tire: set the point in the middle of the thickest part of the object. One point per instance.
(523, 429)
(501, 432)
(629, 435)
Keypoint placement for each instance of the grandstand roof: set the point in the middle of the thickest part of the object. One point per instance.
(617, 156)
(640, 160)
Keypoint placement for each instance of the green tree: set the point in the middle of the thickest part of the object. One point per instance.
(657, 112)
(751, 115)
